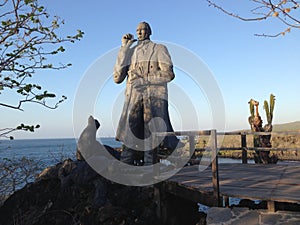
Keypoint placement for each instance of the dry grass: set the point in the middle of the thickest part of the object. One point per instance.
(278, 141)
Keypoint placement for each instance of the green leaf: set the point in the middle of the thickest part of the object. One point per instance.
(61, 48)
(28, 1)
(40, 9)
(39, 97)
(37, 87)
(28, 88)
(31, 128)
(50, 95)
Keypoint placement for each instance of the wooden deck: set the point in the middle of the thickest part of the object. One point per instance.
(272, 183)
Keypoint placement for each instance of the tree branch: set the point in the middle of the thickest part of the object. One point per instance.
(28, 37)
(281, 11)
(11, 106)
(234, 15)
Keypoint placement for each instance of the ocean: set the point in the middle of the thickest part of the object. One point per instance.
(46, 151)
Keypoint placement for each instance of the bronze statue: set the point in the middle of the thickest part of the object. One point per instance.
(147, 68)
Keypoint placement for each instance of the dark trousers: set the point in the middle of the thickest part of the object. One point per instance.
(134, 157)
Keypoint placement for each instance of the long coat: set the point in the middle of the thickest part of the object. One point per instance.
(148, 100)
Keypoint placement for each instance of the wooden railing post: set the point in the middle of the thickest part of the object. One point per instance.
(192, 144)
(244, 146)
(214, 165)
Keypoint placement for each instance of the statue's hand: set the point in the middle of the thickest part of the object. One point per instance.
(127, 40)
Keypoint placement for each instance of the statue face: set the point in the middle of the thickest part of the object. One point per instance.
(142, 32)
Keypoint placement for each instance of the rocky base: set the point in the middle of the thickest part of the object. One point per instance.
(58, 198)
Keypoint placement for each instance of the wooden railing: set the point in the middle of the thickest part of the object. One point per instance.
(214, 149)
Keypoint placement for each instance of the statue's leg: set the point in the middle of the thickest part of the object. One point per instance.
(148, 158)
(148, 154)
(127, 155)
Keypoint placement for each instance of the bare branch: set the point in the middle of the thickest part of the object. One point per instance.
(281, 10)
(11, 106)
(5, 131)
(235, 15)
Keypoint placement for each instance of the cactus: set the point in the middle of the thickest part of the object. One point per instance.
(256, 126)
(251, 108)
(269, 111)
(272, 105)
(266, 108)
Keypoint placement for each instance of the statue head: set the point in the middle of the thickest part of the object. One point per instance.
(143, 31)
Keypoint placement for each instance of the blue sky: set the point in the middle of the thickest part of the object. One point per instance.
(242, 65)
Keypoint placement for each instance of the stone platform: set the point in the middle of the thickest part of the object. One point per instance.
(239, 216)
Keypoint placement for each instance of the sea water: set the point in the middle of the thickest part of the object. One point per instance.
(47, 151)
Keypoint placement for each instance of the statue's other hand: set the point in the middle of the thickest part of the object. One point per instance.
(138, 82)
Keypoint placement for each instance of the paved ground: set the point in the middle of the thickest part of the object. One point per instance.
(240, 216)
